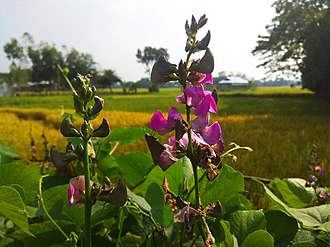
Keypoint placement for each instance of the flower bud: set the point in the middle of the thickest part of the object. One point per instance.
(83, 93)
(67, 128)
(202, 45)
(60, 159)
(193, 26)
(162, 70)
(202, 21)
(117, 196)
(103, 130)
(98, 106)
(206, 64)
(78, 104)
(86, 129)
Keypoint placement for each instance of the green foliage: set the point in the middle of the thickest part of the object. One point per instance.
(19, 174)
(297, 42)
(13, 208)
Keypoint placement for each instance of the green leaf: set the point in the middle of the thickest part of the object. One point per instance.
(313, 216)
(152, 191)
(259, 238)
(309, 217)
(135, 167)
(7, 154)
(245, 222)
(56, 203)
(25, 176)
(103, 211)
(108, 166)
(140, 201)
(126, 135)
(12, 207)
(281, 226)
(46, 234)
(221, 232)
(304, 238)
(228, 184)
(20, 190)
(294, 192)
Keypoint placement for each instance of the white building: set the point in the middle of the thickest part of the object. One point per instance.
(233, 82)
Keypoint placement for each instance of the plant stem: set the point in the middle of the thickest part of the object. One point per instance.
(46, 212)
(88, 203)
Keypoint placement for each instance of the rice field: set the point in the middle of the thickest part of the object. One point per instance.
(280, 127)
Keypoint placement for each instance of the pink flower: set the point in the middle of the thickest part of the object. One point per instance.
(76, 191)
(162, 125)
(197, 78)
(186, 215)
(201, 100)
(319, 170)
(211, 134)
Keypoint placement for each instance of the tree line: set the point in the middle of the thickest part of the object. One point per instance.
(298, 43)
(38, 62)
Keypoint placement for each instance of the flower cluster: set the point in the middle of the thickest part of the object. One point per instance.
(88, 106)
(206, 138)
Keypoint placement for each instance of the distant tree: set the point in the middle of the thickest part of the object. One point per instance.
(288, 47)
(14, 52)
(78, 62)
(44, 60)
(315, 69)
(106, 79)
(148, 57)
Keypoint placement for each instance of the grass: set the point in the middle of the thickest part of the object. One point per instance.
(280, 124)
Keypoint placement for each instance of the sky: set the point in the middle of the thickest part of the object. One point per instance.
(113, 30)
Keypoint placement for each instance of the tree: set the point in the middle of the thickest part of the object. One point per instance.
(44, 60)
(78, 62)
(14, 51)
(15, 54)
(106, 79)
(148, 57)
(315, 69)
(284, 48)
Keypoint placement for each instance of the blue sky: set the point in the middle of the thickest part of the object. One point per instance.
(113, 30)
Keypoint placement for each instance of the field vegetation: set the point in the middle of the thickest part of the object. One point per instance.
(280, 124)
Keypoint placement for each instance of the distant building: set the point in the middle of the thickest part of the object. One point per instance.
(233, 82)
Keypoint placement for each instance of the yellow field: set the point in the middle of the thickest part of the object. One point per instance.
(281, 144)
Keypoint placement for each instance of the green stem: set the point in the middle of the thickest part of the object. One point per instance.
(66, 78)
(88, 203)
(46, 212)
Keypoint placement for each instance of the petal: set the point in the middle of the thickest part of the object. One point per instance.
(208, 79)
(166, 159)
(212, 134)
(203, 107)
(158, 123)
(173, 115)
(199, 123)
(180, 99)
(70, 195)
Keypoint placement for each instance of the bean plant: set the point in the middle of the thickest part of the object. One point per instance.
(181, 193)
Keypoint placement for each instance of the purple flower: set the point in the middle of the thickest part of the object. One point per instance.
(186, 215)
(201, 100)
(162, 125)
(197, 78)
(211, 134)
(323, 194)
(76, 191)
(319, 170)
